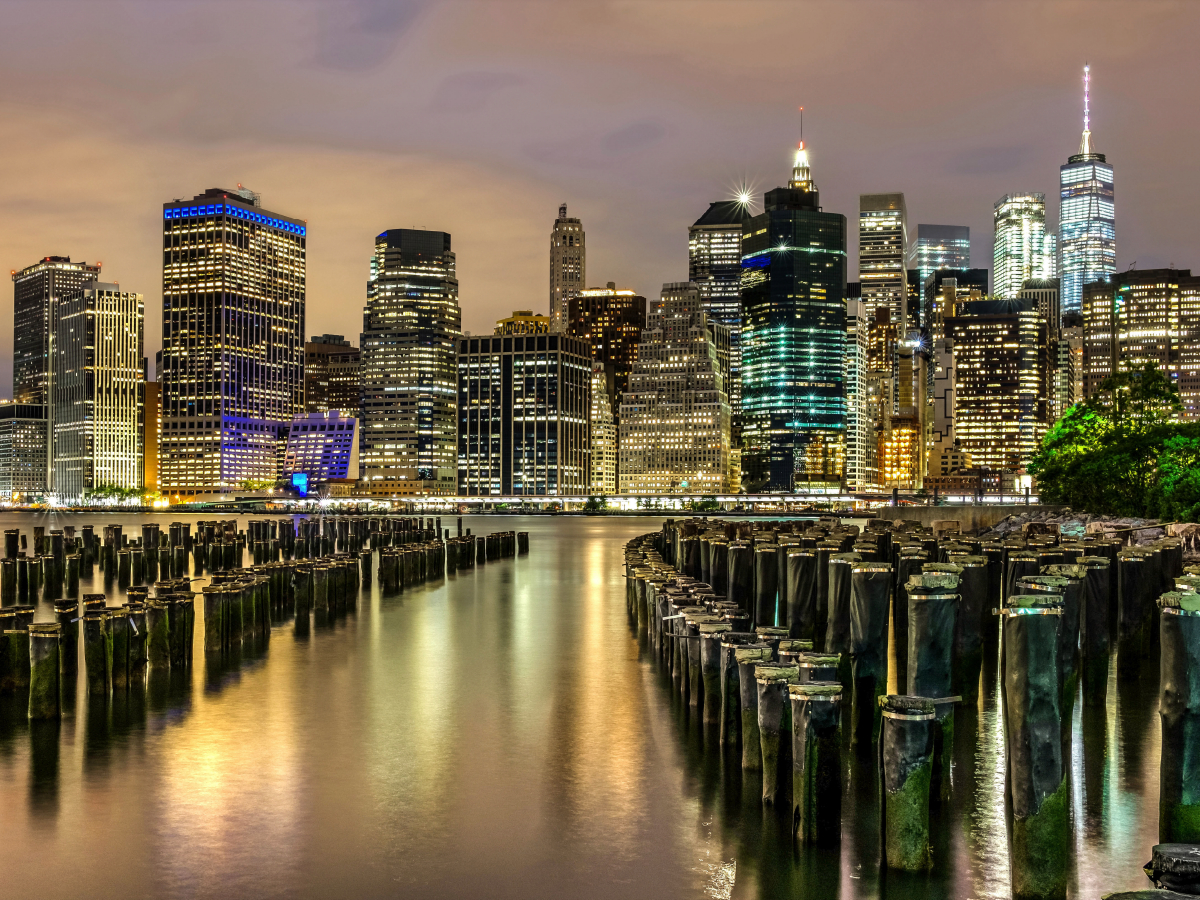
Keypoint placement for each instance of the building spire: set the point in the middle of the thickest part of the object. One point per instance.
(1085, 143)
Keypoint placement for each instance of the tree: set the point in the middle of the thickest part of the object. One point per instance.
(1106, 455)
(1177, 494)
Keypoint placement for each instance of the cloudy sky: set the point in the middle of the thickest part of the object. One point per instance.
(479, 118)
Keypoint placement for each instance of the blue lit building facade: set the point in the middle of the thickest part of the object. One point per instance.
(323, 446)
(1087, 219)
(794, 341)
(232, 373)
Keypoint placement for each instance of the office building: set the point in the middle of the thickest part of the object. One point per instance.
(96, 413)
(322, 446)
(1143, 316)
(611, 322)
(1044, 293)
(881, 340)
(23, 463)
(794, 340)
(940, 247)
(1086, 215)
(151, 434)
(1003, 381)
(1021, 248)
(233, 340)
(331, 367)
(675, 417)
(524, 322)
(523, 408)
(604, 437)
(882, 248)
(34, 289)
(409, 372)
(900, 453)
(568, 267)
(862, 423)
(942, 289)
(715, 266)
(1068, 366)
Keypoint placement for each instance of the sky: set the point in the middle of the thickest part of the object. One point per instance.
(480, 118)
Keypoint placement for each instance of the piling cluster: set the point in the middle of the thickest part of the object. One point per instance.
(298, 569)
(777, 635)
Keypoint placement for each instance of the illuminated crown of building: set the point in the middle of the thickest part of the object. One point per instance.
(801, 171)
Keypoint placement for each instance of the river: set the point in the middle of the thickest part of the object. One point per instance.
(498, 733)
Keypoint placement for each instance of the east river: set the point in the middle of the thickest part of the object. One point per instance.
(497, 733)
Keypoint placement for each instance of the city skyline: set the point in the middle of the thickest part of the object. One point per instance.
(633, 173)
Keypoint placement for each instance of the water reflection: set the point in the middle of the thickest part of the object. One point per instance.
(500, 733)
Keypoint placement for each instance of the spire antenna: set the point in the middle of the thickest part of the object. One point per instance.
(1087, 91)
(1085, 142)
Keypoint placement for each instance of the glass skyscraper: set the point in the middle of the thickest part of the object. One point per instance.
(409, 366)
(939, 247)
(1021, 249)
(794, 340)
(1087, 216)
(715, 266)
(35, 288)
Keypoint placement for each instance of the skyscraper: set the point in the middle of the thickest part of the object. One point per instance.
(940, 247)
(1086, 215)
(715, 266)
(568, 266)
(675, 416)
(96, 411)
(1021, 247)
(604, 436)
(524, 402)
(862, 425)
(1143, 316)
(794, 339)
(882, 243)
(1003, 380)
(1044, 292)
(233, 340)
(611, 321)
(34, 288)
(943, 289)
(409, 370)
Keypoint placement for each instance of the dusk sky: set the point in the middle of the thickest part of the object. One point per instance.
(479, 118)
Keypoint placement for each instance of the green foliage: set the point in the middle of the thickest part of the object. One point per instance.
(596, 504)
(112, 493)
(704, 504)
(1124, 451)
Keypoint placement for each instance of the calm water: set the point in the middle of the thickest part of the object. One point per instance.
(499, 733)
